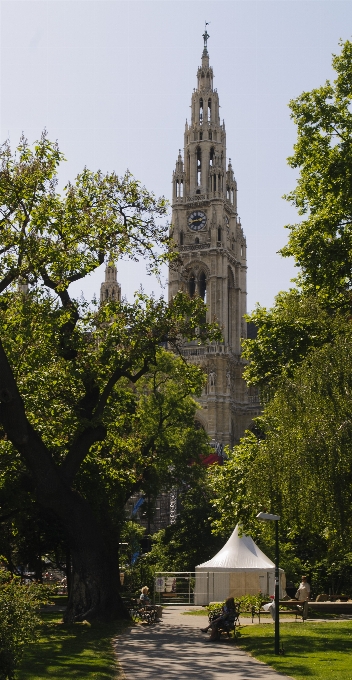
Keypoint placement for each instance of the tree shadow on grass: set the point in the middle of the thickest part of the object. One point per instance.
(303, 644)
(71, 651)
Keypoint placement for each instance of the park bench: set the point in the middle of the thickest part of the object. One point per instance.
(145, 613)
(300, 609)
(229, 624)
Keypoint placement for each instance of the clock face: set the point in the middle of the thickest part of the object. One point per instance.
(197, 220)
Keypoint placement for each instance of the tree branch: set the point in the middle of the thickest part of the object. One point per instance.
(79, 450)
(20, 432)
(117, 374)
(67, 329)
(3, 518)
(7, 280)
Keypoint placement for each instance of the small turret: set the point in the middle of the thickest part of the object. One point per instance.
(178, 179)
(110, 289)
(22, 286)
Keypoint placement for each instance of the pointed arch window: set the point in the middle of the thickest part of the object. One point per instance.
(210, 135)
(201, 110)
(230, 300)
(199, 167)
(211, 156)
(209, 109)
(203, 286)
(196, 240)
(192, 285)
(181, 238)
(219, 235)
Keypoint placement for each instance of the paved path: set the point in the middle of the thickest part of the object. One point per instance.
(175, 649)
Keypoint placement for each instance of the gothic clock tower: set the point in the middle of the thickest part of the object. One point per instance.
(212, 246)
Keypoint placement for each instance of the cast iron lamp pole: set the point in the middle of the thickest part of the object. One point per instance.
(264, 517)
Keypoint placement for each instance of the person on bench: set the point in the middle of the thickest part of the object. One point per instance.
(144, 597)
(228, 609)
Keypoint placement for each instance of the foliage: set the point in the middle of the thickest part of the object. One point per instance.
(297, 462)
(234, 498)
(315, 650)
(188, 542)
(302, 461)
(305, 460)
(296, 324)
(245, 603)
(58, 239)
(131, 534)
(69, 370)
(19, 621)
(321, 244)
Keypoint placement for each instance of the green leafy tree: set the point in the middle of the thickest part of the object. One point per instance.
(321, 243)
(64, 364)
(300, 468)
(19, 621)
(190, 541)
(300, 463)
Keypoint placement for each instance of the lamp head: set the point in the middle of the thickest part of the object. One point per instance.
(266, 516)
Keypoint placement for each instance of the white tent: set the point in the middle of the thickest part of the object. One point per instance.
(240, 568)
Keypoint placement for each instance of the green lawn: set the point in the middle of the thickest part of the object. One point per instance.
(77, 651)
(313, 651)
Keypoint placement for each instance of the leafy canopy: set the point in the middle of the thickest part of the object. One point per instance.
(322, 243)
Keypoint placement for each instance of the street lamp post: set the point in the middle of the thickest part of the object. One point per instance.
(265, 517)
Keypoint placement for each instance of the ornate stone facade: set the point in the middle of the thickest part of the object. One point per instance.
(209, 237)
(110, 289)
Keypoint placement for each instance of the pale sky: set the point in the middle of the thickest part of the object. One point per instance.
(111, 80)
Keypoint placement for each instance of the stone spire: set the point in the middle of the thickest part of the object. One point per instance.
(110, 289)
(203, 171)
(209, 238)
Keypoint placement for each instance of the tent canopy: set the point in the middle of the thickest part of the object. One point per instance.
(240, 553)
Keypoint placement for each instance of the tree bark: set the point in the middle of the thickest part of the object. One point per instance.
(94, 591)
(95, 576)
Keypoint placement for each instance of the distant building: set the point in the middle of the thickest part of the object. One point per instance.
(210, 240)
(110, 289)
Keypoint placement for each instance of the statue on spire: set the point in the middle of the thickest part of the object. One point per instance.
(206, 36)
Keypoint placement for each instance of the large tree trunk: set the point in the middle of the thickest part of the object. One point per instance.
(95, 575)
(94, 591)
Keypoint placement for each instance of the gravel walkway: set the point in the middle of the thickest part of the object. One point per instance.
(175, 649)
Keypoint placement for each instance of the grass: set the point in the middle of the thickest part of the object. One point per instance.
(71, 652)
(313, 651)
(243, 615)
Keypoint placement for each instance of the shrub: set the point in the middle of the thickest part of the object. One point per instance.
(246, 602)
(19, 620)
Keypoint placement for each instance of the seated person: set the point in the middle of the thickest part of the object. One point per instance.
(144, 598)
(228, 608)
